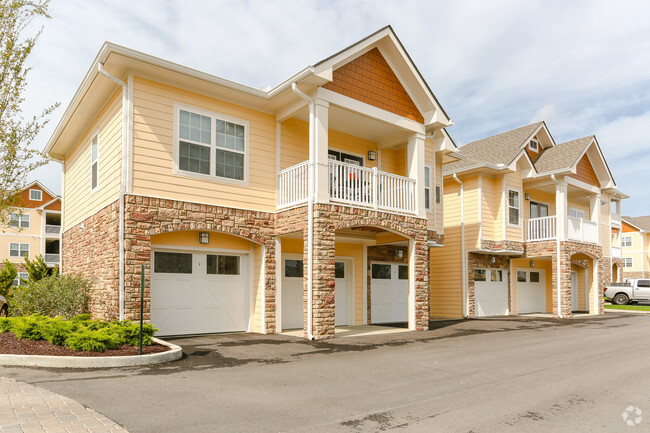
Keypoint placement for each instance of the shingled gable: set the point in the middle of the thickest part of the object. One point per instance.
(641, 223)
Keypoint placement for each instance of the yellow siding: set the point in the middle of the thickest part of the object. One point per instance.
(491, 208)
(515, 232)
(393, 161)
(539, 196)
(153, 106)
(190, 238)
(294, 142)
(439, 206)
(356, 252)
(78, 202)
(636, 251)
(445, 276)
(353, 145)
(34, 247)
(605, 231)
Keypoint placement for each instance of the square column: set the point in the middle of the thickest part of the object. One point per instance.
(561, 210)
(594, 208)
(319, 157)
(415, 170)
(564, 302)
(323, 281)
(418, 295)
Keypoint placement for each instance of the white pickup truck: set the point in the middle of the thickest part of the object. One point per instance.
(631, 290)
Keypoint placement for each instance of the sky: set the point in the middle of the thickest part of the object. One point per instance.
(582, 66)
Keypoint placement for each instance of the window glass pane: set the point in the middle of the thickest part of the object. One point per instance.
(293, 268)
(497, 275)
(230, 165)
(381, 272)
(24, 221)
(194, 158)
(339, 270)
(514, 198)
(94, 149)
(24, 250)
(194, 127)
(94, 176)
(427, 198)
(437, 194)
(513, 216)
(427, 177)
(222, 265)
(643, 283)
(230, 135)
(14, 218)
(35, 194)
(534, 277)
(521, 276)
(403, 272)
(172, 263)
(479, 274)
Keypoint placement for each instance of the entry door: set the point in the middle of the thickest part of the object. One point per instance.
(389, 293)
(531, 291)
(292, 294)
(574, 291)
(342, 303)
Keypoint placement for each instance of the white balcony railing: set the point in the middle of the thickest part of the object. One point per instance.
(616, 219)
(52, 229)
(293, 185)
(52, 259)
(350, 184)
(582, 230)
(370, 187)
(542, 229)
(616, 252)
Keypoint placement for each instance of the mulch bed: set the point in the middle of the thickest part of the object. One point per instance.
(9, 344)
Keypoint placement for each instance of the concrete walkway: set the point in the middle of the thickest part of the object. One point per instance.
(27, 408)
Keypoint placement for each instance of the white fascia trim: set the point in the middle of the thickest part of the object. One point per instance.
(370, 111)
(476, 166)
(434, 244)
(40, 185)
(582, 185)
(496, 252)
(43, 206)
(531, 136)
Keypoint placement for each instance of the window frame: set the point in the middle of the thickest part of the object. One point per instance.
(507, 214)
(94, 164)
(19, 249)
(19, 279)
(38, 191)
(625, 261)
(213, 115)
(623, 243)
(576, 210)
(428, 189)
(530, 147)
(20, 219)
(540, 204)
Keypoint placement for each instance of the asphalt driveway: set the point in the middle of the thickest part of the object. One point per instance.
(533, 375)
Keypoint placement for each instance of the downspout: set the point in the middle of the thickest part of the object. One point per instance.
(310, 212)
(559, 265)
(463, 264)
(125, 119)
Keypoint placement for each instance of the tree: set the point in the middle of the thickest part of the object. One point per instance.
(17, 157)
(7, 277)
(37, 268)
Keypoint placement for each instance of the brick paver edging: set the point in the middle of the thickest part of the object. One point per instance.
(27, 408)
(174, 354)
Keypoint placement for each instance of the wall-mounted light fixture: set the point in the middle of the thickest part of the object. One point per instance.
(399, 254)
(527, 196)
(372, 155)
(532, 263)
(493, 260)
(204, 238)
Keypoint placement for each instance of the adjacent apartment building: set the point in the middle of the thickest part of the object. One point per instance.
(635, 242)
(529, 227)
(34, 229)
(309, 205)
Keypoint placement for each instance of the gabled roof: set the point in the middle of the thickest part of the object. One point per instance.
(562, 156)
(500, 149)
(641, 222)
(41, 186)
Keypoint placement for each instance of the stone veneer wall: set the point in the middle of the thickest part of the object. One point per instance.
(475, 260)
(635, 274)
(502, 245)
(91, 248)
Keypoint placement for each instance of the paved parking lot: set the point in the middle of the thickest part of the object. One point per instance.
(506, 375)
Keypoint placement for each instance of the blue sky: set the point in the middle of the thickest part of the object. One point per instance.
(582, 66)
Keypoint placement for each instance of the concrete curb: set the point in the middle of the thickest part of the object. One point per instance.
(94, 361)
(615, 310)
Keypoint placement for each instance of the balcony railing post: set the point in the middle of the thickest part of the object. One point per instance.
(375, 188)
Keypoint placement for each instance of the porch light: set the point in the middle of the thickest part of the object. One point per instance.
(527, 196)
(372, 155)
(204, 238)
(493, 259)
(399, 254)
(532, 263)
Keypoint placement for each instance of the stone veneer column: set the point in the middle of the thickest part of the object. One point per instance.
(323, 281)
(421, 281)
(565, 288)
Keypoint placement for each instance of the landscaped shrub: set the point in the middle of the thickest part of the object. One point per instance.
(56, 295)
(78, 333)
(7, 277)
(37, 269)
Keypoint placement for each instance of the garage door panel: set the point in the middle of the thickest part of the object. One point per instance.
(389, 293)
(531, 291)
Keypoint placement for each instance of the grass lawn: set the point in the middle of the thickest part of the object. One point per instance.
(628, 307)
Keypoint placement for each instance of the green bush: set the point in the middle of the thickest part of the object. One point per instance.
(36, 269)
(78, 333)
(56, 295)
(7, 277)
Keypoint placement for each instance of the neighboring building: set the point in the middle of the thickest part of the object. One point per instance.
(522, 212)
(635, 243)
(209, 184)
(34, 229)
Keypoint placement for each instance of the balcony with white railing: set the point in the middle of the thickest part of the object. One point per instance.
(53, 230)
(52, 259)
(350, 184)
(545, 229)
(615, 218)
(616, 252)
(582, 230)
(542, 229)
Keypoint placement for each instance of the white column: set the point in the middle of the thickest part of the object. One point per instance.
(561, 210)
(320, 162)
(411, 298)
(278, 285)
(415, 170)
(594, 206)
(596, 300)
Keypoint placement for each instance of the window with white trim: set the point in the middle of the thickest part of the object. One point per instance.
(627, 262)
(19, 221)
(211, 145)
(94, 162)
(576, 213)
(427, 187)
(626, 241)
(533, 145)
(514, 206)
(18, 250)
(21, 279)
(36, 195)
(437, 194)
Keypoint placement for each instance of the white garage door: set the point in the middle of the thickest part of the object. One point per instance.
(195, 293)
(531, 291)
(389, 288)
(491, 292)
(293, 293)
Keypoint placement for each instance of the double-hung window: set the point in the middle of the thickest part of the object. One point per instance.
(21, 279)
(211, 145)
(626, 241)
(18, 250)
(94, 162)
(19, 221)
(513, 207)
(427, 187)
(36, 195)
(627, 262)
